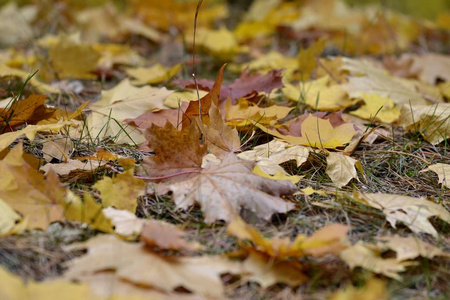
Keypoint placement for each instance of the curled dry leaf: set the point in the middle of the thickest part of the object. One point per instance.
(134, 263)
(222, 190)
(341, 168)
(443, 172)
(432, 121)
(409, 247)
(362, 255)
(164, 235)
(330, 239)
(413, 212)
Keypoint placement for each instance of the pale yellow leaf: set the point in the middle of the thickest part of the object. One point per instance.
(443, 172)
(341, 168)
(378, 108)
(8, 218)
(152, 75)
(413, 212)
(71, 165)
(277, 175)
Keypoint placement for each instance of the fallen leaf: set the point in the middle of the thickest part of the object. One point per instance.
(27, 111)
(58, 147)
(331, 239)
(359, 255)
(277, 175)
(121, 191)
(307, 58)
(222, 190)
(220, 43)
(443, 172)
(160, 118)
(407, 248)
(318, 94)
(175, 151)
(166, 236)
(431, 67)
(378, 108)
(6, 71)
(73, 60)
(178, 98)
(135, 263)
(373, 289)
(30, 132)
(220, 138)
(267, 271)
(318, 133)
(413, 212)
(8, 218)
(375, 80)
(125, 223)
(65, 168)
(200, 108)
(341, 168)
(269, 156)
(155, 74)
(86, 211)
(27, 192)
(432, 121)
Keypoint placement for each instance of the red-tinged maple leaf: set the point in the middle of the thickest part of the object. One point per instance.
(176, 150)
(247, 85)
(160, 118)
(200, 108)
(222, 190)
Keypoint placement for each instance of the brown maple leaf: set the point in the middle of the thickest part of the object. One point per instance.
(176, 150)
(200, 108)
(222, 190)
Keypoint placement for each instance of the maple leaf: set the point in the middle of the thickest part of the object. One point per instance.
(375, 80)
(430, 67)
(58, 147)
(361, 255)
(124, 101)
(413, 212)
(407, 248)
(8, 218)
(159, 118)
(317, 132)
(341, 168)
(443, 172)
(307, 58)
(121, 191)
(135, 263)
(245, 113)
(73, 60)
(318, 94)
(27, 192)
(155, 74)
(71, 165)
(330, 239)
(432, 121)
(200, 108)
(221, 190)
(382, 109)
(6, 71)
(219, 137)
(176, 151)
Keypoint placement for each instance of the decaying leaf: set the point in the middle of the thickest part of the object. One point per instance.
(222, 190)
(407, 248)
(58, 147)
(135, 263)
(71, 165)
(155, 74)
(121, 191)
(443, 172)
(413, 212)
(341, 168)
(164, 235)
(330, 239)
(359, 255)
(432, 121)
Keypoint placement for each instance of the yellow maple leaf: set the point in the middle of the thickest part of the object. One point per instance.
(317, 133)
(154, 74)
(121, 191)
(378, 107)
